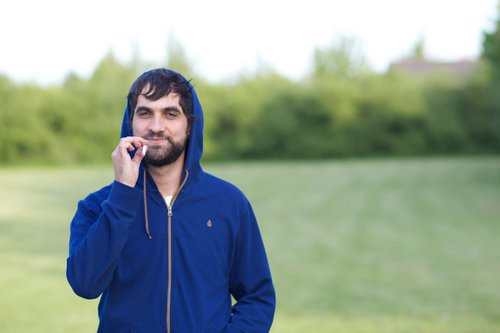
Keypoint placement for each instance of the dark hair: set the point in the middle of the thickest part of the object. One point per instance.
(159, 83)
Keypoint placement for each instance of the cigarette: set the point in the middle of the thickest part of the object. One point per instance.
(144, 149)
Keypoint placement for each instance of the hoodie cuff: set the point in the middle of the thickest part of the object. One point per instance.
(124, 196)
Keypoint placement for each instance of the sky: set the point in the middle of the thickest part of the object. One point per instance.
(42, 41)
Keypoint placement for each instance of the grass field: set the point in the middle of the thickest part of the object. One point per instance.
(397, 245)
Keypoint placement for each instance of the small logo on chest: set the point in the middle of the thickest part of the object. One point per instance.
(209, 224)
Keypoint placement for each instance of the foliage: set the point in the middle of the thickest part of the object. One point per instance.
(491, 48)
(343, 59)
(341, 109)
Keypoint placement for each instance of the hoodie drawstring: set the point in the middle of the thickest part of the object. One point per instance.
(146, 206)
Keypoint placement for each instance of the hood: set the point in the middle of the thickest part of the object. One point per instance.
(194, 148)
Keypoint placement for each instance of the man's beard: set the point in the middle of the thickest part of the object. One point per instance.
(159, 156)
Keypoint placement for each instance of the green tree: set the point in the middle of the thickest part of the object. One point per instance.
(177, 58)
(343, 59)
(491, 48)
(293, 124)
(418, 51)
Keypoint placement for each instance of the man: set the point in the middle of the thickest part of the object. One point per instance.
(166, 244)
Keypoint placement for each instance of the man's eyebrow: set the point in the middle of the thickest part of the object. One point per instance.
(172, 108)
(166, 109)
(142, 108)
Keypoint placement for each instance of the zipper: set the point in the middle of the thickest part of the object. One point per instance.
(169, 249)
(169, 285)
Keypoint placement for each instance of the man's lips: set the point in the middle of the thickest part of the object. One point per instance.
(156, 140)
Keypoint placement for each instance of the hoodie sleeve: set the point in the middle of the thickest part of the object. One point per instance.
(250, 281)
(98, 233)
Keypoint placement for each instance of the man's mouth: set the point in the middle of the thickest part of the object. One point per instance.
(156, 140)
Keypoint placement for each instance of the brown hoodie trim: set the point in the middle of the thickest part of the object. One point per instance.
(146, 206)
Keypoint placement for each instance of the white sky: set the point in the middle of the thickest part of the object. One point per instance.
(41, 41)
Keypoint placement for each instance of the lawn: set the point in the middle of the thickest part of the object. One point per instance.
(394, 245)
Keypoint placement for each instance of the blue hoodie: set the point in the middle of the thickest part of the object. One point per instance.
(172, 269)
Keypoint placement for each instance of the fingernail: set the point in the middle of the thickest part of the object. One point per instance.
(144, 149)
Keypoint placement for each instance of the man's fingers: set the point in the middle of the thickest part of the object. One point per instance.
(126, 168)
(135, 140)
(139, 154)
(132, 142)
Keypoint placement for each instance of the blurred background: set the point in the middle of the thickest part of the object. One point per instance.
(366, 135)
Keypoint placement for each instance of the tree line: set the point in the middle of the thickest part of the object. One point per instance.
(340, 109)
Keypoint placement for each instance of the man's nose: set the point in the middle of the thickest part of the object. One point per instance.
(156, 124)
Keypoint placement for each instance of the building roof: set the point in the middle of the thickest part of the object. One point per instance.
(422, 66)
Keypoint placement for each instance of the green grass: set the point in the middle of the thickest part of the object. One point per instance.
(397, 245)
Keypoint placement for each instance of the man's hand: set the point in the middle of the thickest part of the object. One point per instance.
(126, 168)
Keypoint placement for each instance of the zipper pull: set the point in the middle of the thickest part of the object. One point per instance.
(169, 210)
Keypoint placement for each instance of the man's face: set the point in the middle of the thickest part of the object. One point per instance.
(165, 125)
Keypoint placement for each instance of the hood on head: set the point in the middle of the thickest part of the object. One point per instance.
(194, 148)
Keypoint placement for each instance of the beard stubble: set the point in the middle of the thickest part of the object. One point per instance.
(161, 156)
